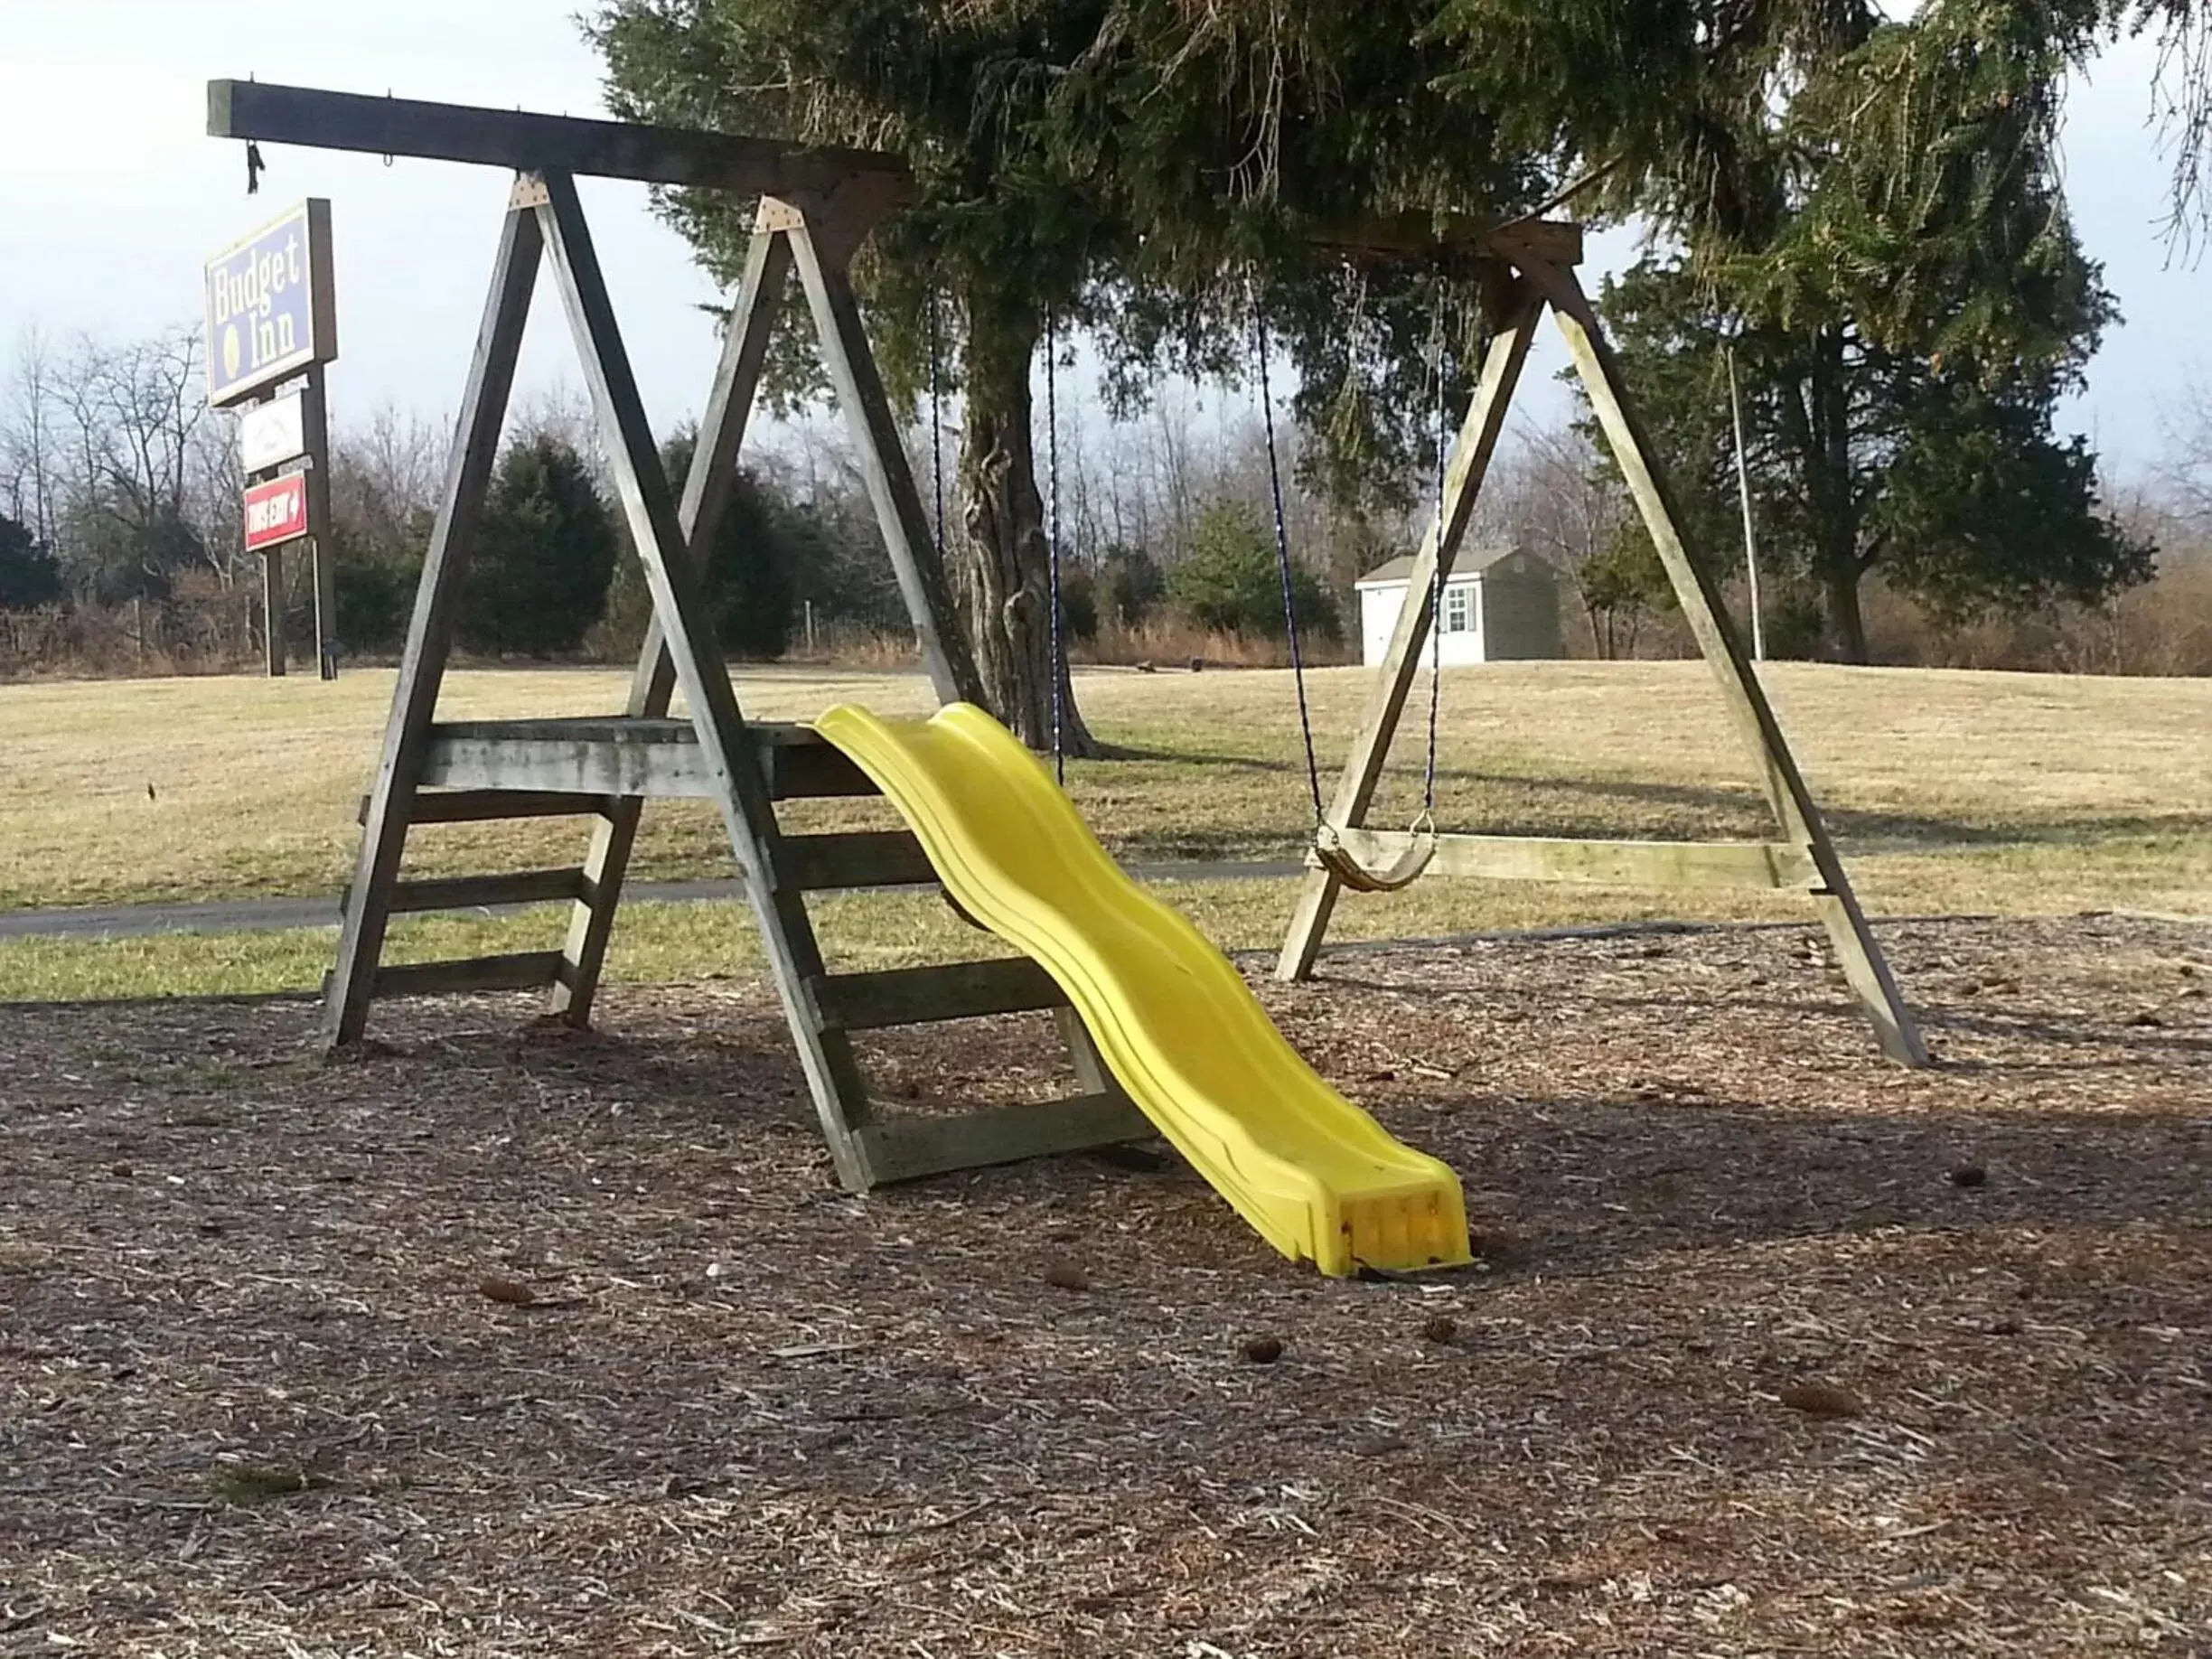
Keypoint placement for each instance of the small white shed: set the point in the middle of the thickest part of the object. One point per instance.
(1501, 602)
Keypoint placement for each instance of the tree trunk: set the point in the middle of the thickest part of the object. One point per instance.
(1840, 577)
(999, 567)
(1836, 502)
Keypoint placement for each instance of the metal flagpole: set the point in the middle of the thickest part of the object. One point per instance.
(1743, 489)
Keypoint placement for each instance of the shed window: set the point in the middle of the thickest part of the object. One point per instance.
(1459, 609)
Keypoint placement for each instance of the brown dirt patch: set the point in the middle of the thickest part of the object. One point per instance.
(260, 1395)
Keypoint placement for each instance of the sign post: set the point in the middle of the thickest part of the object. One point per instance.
(271, 324)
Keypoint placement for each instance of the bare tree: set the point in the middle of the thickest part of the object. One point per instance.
(29, 441)
(125, 420)
(1549, 496)
(2184, 473)
(385, 476)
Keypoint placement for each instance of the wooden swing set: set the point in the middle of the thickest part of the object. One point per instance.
(1525, 272)
(817, 207)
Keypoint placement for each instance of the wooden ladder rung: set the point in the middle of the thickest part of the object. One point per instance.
(474, 806)
(943, 990)
(520, 970)
(853, 858)
(474, 891)
(906, 1147)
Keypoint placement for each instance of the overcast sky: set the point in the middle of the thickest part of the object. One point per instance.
(111, 198)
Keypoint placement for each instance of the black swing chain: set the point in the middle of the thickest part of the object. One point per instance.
(1437, 578)
(936, 398)
(1282, 557)
(1052, 532)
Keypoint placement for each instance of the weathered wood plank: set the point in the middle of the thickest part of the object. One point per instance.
(941, 991)
(476, 806)
(472, 892)
(1624, 864)
(574, 728)
(520, 970)
(422, 661)
(906, 1148)
(642, 763)
(708, 486)
(646, 758)
(812, 771)
(882, 459)
(787, 939)
(1463, 476)
(525, 142)
(848, 858)
(1398, 236)
(1796, 812)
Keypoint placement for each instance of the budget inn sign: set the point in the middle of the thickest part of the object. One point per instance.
(270, 310)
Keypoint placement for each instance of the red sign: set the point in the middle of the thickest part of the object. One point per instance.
(276, 512)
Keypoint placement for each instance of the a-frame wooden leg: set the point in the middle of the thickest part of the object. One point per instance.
(1794, 808)
(422, 664)
(820, 261)
(1463, 476)
(707, 492)
(787, 940)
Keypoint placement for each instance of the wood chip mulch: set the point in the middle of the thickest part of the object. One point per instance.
(505, 1341)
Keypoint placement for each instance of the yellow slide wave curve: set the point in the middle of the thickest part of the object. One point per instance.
(1175, 1022)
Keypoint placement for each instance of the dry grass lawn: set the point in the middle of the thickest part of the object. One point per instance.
(221, 788)
(1952, 793)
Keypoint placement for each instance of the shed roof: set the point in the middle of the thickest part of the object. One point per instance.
(1470, 561)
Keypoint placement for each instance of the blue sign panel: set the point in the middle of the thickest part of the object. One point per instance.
(270, 312)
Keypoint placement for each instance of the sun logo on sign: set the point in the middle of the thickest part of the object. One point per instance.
(231, 352)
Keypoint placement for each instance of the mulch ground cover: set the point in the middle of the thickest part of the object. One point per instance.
(508, 1340)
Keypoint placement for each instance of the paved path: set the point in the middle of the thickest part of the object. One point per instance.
(267, 914)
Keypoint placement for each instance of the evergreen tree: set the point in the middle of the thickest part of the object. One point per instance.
(1141, 167)
(1907, 304)
(1230, 580)
(29, 577)
(537, 578)
(761, 541)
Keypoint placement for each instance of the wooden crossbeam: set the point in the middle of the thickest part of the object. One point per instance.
(1403, 236)
(546, 762)
(1621, 864)
(486, 891)
(939, 990)
(524, 142)
(517, 970)
(903, 1149)
(842, 859)
(477, 806)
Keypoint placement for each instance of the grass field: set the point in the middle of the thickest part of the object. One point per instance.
(1950, 792)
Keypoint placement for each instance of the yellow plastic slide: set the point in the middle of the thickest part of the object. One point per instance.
(1175, 1022)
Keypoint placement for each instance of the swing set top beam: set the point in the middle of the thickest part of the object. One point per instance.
(524, 142)
(1405, 236)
